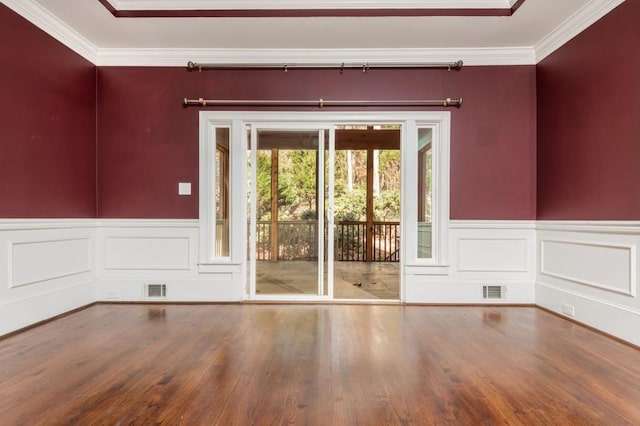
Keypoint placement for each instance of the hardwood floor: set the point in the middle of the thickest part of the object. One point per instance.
(316, 365)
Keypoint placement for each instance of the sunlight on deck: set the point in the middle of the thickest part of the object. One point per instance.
(352, 280)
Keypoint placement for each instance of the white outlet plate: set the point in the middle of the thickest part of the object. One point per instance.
(184, 188)
(569, 310)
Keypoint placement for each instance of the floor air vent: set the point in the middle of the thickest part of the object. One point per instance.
(156, 291)
(493, 292)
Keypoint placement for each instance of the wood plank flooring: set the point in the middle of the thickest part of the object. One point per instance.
(316, 365)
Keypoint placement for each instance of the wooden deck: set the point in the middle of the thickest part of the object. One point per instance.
(352, 280)
(316, 365)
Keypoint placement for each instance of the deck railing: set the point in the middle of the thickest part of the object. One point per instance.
(297, 240)
(386, 241)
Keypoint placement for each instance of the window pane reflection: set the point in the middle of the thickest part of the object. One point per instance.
(425, 193)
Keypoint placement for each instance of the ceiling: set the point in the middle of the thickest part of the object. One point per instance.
(534, 30)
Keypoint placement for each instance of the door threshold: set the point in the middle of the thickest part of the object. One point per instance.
(306, 301)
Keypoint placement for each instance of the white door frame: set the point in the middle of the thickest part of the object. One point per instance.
(440, 121)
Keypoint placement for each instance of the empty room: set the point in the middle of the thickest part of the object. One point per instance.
(342, 212)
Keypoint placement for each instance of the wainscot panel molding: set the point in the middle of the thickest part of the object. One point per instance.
(147, 253)
(585, 270)
(581, 262)
(481, 253)
(153, 249)
(588, 271)
(56, 258)
(134, 253)
(46, 268)
(492, 254)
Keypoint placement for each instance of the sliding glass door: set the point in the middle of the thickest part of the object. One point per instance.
(324, 205)
(290, 219)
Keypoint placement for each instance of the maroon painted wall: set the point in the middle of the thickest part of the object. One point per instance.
(589, 123)
(147, 142)
(48, 113)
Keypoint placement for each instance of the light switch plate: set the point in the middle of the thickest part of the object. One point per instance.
(184, 188)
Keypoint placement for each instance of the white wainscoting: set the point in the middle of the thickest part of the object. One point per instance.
(148, 253)
(609, 267)
(480, 253)
(592, 269)
(493, 254)
(56, 258)
(46, 269)
(132, 253)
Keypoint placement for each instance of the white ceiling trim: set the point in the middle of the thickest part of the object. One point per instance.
(578, 22)
(49, 23)
(123, 5)
(180, 57)
(524, 55)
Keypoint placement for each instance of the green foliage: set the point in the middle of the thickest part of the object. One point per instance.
(387, 205)
(351, 206)
(263, 187)
(308, 215)
(301, 174)
(297, 185)
(389, 170)
(286, 191)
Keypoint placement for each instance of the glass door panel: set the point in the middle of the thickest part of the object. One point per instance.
(288, 215)
(367, 212)
(425, 193)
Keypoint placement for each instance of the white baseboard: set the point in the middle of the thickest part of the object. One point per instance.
(216, 288)
(452, 292)
(618, 321)
(22, 313)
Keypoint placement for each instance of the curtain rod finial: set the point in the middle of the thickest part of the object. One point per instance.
(192, 66)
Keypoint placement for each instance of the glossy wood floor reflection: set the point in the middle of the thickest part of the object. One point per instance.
(316, 365)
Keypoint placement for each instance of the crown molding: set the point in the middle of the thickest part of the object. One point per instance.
(52, 25)
(578, 22)
(130, 5)
(524, 55)
(180, 57)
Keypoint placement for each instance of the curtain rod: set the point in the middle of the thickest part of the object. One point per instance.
(321, 103)
(456, 66)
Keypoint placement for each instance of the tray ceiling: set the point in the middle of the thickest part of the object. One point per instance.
(537, 28)
(309, 8)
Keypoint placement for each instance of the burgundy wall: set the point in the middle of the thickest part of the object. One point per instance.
(589, 123)
(147, 142)
(48, 113)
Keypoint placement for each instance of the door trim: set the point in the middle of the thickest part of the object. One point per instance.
(440, 120)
